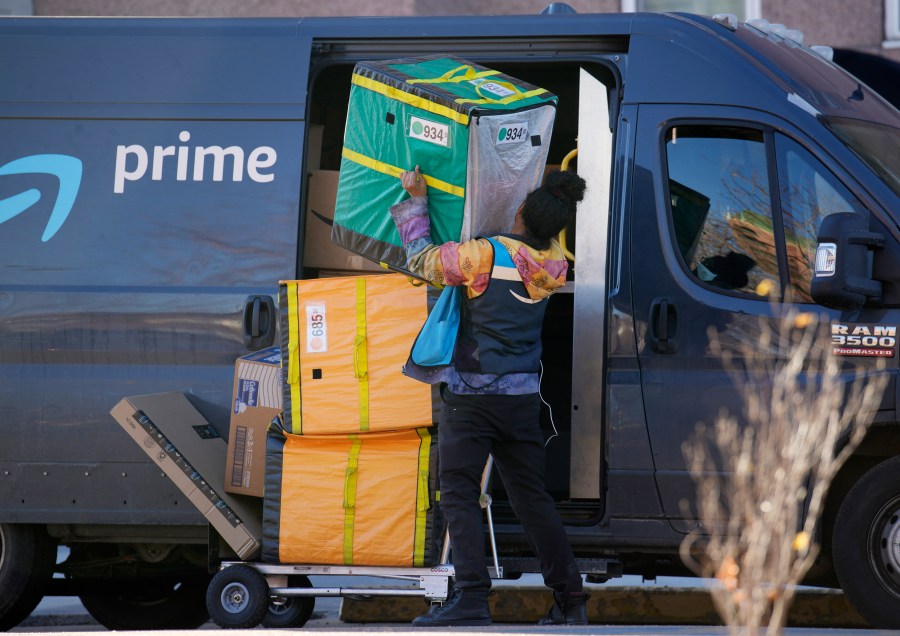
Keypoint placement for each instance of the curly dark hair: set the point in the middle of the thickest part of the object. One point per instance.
(549, 208)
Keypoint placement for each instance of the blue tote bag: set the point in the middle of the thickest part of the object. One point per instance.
(435, 343)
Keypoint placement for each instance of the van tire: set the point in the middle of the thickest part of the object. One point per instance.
(27, 558)
(170, 606)
(866, 526)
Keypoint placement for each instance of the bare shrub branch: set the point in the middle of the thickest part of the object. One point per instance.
(761, 488)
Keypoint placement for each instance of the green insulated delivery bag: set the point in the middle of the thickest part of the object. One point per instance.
(480, 138)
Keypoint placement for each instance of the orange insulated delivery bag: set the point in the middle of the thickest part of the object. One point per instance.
(366, 499)
(346, 340)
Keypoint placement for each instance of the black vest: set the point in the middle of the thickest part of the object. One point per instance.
(500, 330)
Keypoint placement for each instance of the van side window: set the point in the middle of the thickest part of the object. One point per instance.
(721, 206)
(809, 192)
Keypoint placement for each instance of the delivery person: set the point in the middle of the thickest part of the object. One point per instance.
(491, 388)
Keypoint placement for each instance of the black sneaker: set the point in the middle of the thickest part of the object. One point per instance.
(465, 607)
(568, 609)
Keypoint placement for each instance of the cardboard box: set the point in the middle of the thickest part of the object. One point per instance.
(318, 250)
(256, 399)
(192, 454)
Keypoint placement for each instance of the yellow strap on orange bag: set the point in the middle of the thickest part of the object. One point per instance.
(361, 354)
(350, 479)
(423, 502)
(293, 357)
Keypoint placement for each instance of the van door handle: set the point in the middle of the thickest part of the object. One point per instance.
(664, 325)
(259, 322)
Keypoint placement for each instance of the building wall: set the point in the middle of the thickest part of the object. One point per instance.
(858, 24)
(306, 8)
(838, 23)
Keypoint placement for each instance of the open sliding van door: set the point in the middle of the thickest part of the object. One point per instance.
(590, 305)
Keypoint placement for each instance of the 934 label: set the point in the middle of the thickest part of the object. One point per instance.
(493, 87)
(316, 328)
(512, 133)
(429, 131)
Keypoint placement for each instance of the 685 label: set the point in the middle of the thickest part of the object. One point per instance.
(512, 133)
(316, 328)
(429, 131)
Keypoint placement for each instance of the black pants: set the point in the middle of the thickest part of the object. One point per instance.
(506, 426)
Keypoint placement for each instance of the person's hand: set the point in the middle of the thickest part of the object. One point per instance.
(414, 183)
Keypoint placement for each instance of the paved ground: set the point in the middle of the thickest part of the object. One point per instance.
(628, 606)
(670, 607)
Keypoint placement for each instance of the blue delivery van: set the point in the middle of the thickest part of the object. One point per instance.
(156, 178)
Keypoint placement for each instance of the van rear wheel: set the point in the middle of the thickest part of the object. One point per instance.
(866, 545)
(27, 557)
(157, 605)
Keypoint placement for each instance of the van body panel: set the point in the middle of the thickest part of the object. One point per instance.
(133, 62)
(186, 186)
(706, 320)
(153, 176)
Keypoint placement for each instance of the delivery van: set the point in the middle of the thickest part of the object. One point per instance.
(159, 177)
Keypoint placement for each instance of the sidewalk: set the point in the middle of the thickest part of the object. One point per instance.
(671, 602)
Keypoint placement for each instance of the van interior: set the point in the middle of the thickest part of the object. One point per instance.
(327, 105)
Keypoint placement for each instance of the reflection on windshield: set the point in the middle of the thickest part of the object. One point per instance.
(876, 144)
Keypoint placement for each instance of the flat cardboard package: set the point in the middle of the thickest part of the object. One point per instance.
(192, 454)
(256, 399)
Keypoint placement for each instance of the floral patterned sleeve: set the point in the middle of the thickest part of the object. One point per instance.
(452, 263)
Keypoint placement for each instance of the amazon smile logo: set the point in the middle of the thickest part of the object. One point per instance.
(66, 168)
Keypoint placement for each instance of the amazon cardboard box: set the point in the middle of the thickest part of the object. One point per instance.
(256, 400)
(192, 454)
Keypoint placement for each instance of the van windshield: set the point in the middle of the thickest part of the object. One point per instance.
(876, 144)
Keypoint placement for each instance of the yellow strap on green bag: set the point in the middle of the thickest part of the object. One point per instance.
(350, 478)
(408, 98)
(395, 171)
(361, 354)
(505, 100)
(450, 76)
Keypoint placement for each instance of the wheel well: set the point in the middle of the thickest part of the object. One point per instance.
(881, 442)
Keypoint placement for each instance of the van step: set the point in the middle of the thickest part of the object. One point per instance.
(597, 570)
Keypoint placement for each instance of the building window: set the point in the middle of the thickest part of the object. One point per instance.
(892, 23)
(16, 7)
(743, 9)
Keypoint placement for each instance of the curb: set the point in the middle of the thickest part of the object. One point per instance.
(615, 606)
